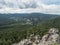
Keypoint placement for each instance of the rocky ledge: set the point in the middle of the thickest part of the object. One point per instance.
(51, 38)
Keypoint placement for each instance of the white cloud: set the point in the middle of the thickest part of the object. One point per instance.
(28, 6)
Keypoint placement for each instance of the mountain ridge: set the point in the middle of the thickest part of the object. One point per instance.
(34, 17)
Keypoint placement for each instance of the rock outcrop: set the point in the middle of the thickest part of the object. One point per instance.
(51, 38)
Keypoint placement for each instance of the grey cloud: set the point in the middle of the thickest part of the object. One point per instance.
(19, 6)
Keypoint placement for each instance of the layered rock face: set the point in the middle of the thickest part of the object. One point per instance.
(51, 38)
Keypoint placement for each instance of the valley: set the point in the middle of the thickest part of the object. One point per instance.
(15, 27)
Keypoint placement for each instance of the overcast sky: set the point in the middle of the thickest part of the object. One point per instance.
(29, 6)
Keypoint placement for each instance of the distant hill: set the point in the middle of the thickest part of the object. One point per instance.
(32, 17)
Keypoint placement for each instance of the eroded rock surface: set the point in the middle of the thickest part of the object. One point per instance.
(51, 38)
